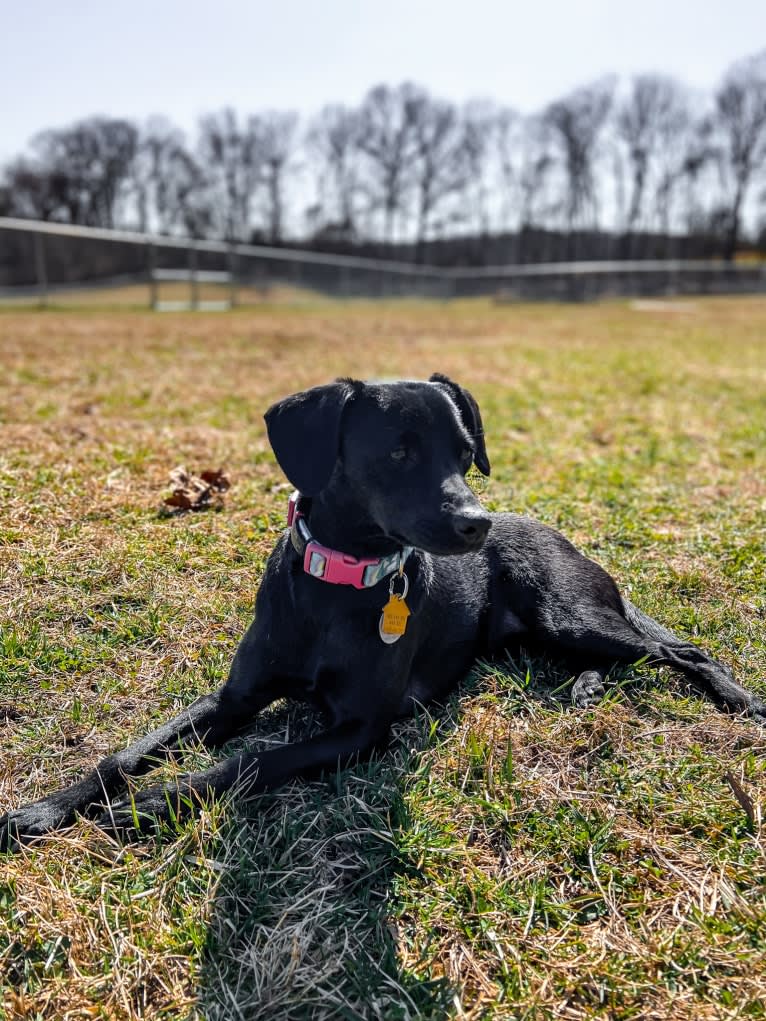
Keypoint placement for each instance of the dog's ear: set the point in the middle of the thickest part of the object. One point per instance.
(469, 412)
(304, 432)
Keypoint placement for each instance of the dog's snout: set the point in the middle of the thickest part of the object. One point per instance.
(472, 528)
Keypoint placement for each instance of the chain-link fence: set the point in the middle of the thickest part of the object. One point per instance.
(41, 262)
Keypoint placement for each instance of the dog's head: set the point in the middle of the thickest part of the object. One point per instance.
(399, 450)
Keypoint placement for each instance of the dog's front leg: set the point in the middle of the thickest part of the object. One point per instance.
(211, 719)
(250, 773)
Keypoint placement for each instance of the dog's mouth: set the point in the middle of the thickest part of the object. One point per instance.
(455, 548)
(447, 538)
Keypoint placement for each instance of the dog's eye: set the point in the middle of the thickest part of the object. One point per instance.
(399, 454)
(466, 459)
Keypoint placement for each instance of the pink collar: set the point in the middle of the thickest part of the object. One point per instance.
(331, 565)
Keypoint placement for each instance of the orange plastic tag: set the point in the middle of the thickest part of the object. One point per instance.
(395, 614)
(393, 619)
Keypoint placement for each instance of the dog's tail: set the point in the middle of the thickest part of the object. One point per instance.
(713, 678)
(647, 625)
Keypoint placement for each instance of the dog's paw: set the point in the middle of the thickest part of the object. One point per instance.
(757, 710)
(31, 822)
(588, 689)
(143, 814)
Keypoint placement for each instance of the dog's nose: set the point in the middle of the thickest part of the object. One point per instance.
(472, 527)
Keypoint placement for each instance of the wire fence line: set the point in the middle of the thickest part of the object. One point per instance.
(39, 260)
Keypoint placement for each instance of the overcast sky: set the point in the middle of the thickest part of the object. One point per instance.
(60, 61)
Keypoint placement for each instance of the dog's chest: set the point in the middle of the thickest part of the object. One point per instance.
(512, 624)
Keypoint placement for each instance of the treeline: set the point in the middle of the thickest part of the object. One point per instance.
(633, 169)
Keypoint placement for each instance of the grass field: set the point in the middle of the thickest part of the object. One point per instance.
(509, 857)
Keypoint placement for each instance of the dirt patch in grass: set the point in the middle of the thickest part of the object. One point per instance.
(509, 857)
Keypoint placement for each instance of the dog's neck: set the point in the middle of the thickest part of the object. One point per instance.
(338, 521)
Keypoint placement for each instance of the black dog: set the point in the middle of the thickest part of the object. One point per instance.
(426, 581)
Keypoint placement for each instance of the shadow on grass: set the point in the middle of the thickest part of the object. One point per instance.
(305, 922)
(301, 923)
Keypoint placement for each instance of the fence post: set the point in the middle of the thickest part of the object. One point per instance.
(260, 277)
(233, 268)
(344, 289)
(297, 274)
(193, 281)
(151, 266)
(41, 270)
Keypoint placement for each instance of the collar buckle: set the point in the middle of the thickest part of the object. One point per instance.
(333, 566)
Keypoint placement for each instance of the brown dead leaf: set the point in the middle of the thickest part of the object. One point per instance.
(217, 479)
(10, 713)
(196, 492)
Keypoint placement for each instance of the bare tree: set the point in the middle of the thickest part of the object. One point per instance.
(478, 121)
(404, 165)
(276, 134)
(35, 192)
(118, 140)
(332, 142)
(440, 166)
(652, 111)
(520, 168)
(684, 157)
(540, 203)
(741, 120)
(576, 122)
(166, 180)
(509, 136)
(231, 156)
(386, 138)
(78, 174)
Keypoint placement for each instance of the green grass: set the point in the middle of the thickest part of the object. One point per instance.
(509, 856)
